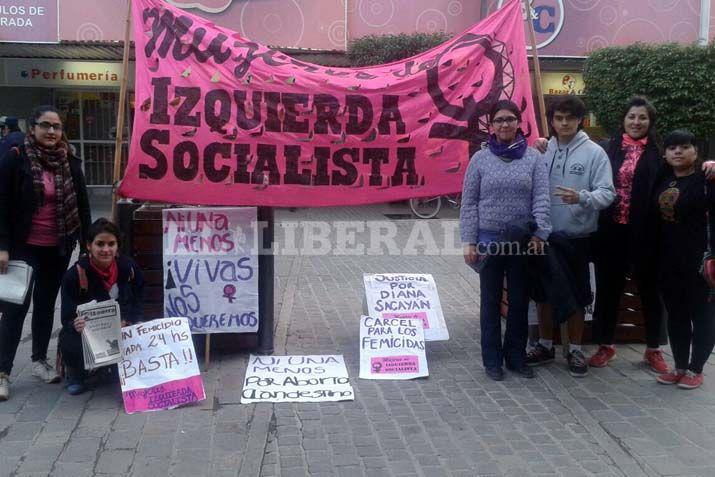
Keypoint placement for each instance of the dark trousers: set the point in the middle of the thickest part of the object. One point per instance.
(513, 349)
(691, 320)
(615, 257)
(70, 346)
(49, 267)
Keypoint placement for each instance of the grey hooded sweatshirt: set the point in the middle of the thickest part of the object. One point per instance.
(584, 166)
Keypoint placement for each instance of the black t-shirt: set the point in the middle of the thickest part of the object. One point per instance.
(681, 204)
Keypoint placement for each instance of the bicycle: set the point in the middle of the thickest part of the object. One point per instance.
(429, 207)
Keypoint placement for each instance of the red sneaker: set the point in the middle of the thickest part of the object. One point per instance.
(690, 380)
(654, 360)
(602, 356)
(672, 377)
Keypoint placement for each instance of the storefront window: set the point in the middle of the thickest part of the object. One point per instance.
(90, 122)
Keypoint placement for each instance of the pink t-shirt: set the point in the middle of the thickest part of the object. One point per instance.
(44, 223)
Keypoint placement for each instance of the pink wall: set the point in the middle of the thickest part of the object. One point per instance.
(588, 24)
(592, 24)
(375, 17)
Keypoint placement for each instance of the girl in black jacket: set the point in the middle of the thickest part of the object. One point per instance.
(102, 275)
(681, 203)
(43, 212)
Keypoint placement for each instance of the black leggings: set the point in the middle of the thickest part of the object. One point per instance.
(691, 320)
(614, 259)
(49, 267)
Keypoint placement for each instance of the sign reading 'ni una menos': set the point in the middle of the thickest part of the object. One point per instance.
(410, 296)
(211, 268)
(296, 379)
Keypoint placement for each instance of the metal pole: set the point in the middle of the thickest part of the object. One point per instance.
(346, 26)
(265, 281)
(704, 22)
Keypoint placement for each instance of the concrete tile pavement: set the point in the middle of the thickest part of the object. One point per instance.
(618, 421)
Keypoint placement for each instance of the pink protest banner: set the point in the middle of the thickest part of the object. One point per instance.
(221, 120)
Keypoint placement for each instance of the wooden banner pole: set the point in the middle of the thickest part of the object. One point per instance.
(207, 352)
(537, 71)
(116, 177)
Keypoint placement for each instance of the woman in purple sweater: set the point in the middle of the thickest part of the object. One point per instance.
(505, 183)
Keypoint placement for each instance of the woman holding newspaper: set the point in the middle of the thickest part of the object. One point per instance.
(102, 275)
(43, 212)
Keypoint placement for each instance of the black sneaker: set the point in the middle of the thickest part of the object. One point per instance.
(524, 371)
(577, 364)
(539, 354)
(497, 373)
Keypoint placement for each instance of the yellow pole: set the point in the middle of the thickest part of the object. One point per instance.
(121, 113)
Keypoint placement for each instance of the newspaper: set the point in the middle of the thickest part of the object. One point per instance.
(102, 333)
(15, 284)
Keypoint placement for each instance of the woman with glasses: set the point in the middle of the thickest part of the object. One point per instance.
(44, 211)
(506, 183)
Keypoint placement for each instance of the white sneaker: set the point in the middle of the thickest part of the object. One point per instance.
(4, 387)
(45, 372)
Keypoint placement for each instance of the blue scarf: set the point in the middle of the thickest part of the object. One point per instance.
(515, 150)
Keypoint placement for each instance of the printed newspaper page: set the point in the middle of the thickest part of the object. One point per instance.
(102, 333)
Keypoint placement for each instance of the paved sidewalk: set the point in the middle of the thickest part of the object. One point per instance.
(616, 422)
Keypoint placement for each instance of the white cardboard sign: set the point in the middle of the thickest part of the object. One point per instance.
(159, 369)
(392, 348)
(296, 379)
(410, 296)
(211, 268)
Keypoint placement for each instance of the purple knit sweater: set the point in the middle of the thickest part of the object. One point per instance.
(496, 192)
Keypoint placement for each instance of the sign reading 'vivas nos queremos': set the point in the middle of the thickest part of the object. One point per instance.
(222, 120)
(211, 268)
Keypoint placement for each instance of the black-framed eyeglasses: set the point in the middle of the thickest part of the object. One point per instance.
(46, 125)
(509, 120)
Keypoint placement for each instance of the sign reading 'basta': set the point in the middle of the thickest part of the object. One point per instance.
(222, 120)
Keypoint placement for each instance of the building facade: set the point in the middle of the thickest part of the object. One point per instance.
(69, 53)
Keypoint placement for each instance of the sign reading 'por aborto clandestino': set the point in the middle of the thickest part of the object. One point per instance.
(222, 120)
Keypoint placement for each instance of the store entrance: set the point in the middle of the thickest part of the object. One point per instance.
(90, 119)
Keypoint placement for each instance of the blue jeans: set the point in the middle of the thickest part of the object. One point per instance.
(513, 348)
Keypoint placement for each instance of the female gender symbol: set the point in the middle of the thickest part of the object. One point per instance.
(228, 292)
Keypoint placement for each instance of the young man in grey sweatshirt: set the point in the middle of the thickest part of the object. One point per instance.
(581, 184)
